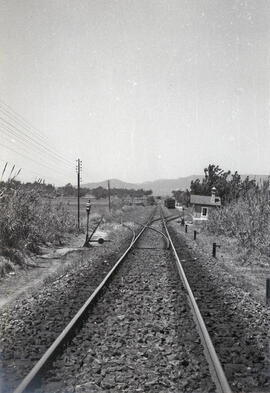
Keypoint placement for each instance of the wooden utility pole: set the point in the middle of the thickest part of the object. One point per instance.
(109, 195)
(79, 168)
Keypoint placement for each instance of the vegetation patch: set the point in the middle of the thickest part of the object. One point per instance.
(28, 219)
(244, 216)
(247, 220)
(6, 266)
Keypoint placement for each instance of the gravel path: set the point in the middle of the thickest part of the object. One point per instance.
(140, 336)
(238, 324)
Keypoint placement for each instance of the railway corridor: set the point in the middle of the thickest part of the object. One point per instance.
(137, 331)
(140, 336)
(237, 324)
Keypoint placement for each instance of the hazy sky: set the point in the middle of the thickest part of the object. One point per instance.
(138, 89)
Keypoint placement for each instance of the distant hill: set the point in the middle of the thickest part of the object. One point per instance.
(161, 187)
(115, 183)
(166, 186)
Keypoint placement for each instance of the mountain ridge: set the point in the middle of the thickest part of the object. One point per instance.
(161, 187)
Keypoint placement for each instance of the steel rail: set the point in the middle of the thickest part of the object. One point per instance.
(212, 358)
(155, 230)
(31, 378)
(173, 218)
(160, 218)
(132, 230)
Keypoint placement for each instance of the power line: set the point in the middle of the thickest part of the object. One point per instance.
(9, 127)
(30, 141)
(41, 161)
(15, 132)
(24, 152)
(35, 136)
(36, 142)
(25, 123)
(37, 158)
(8, 109)
(23, 145)
(33, 160)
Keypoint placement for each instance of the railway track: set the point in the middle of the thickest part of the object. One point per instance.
(136, 332)
(30, 324)
(236, 322)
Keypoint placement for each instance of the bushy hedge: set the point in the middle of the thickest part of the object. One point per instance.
(248, 220)
(27, 219)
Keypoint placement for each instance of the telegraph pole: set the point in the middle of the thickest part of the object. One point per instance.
(79, 169)
(109, 195)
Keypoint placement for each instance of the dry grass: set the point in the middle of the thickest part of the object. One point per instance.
(28, 220)
(246, 219)
(242, 229)
(6, 266)
(246, 270)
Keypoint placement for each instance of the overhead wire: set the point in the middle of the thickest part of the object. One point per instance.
(54, 169)
(36, 143)
(12, 129)
(22, 145)
(31, 141)
(41, 164)
(17, 115)
(28, 127)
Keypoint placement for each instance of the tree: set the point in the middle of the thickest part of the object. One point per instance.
(229, 187)
(150, 200)
(182, 197)
(99, 192)
(67, 190)
(214, 176)
(235, 187)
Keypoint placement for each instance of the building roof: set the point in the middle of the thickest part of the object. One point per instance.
(204, 200)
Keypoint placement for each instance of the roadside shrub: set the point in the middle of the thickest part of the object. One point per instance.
(6, 266)
(27, 219)
(248, 220)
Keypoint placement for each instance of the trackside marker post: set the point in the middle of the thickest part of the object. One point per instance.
(186, 228)
(195, 235)
(268, 291)
(183, 218)
(214, 251)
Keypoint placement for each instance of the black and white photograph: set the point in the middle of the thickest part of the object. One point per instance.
(134, 196)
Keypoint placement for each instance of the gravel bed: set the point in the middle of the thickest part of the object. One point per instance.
(237, 323)
(30, 324)
(140, 336)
